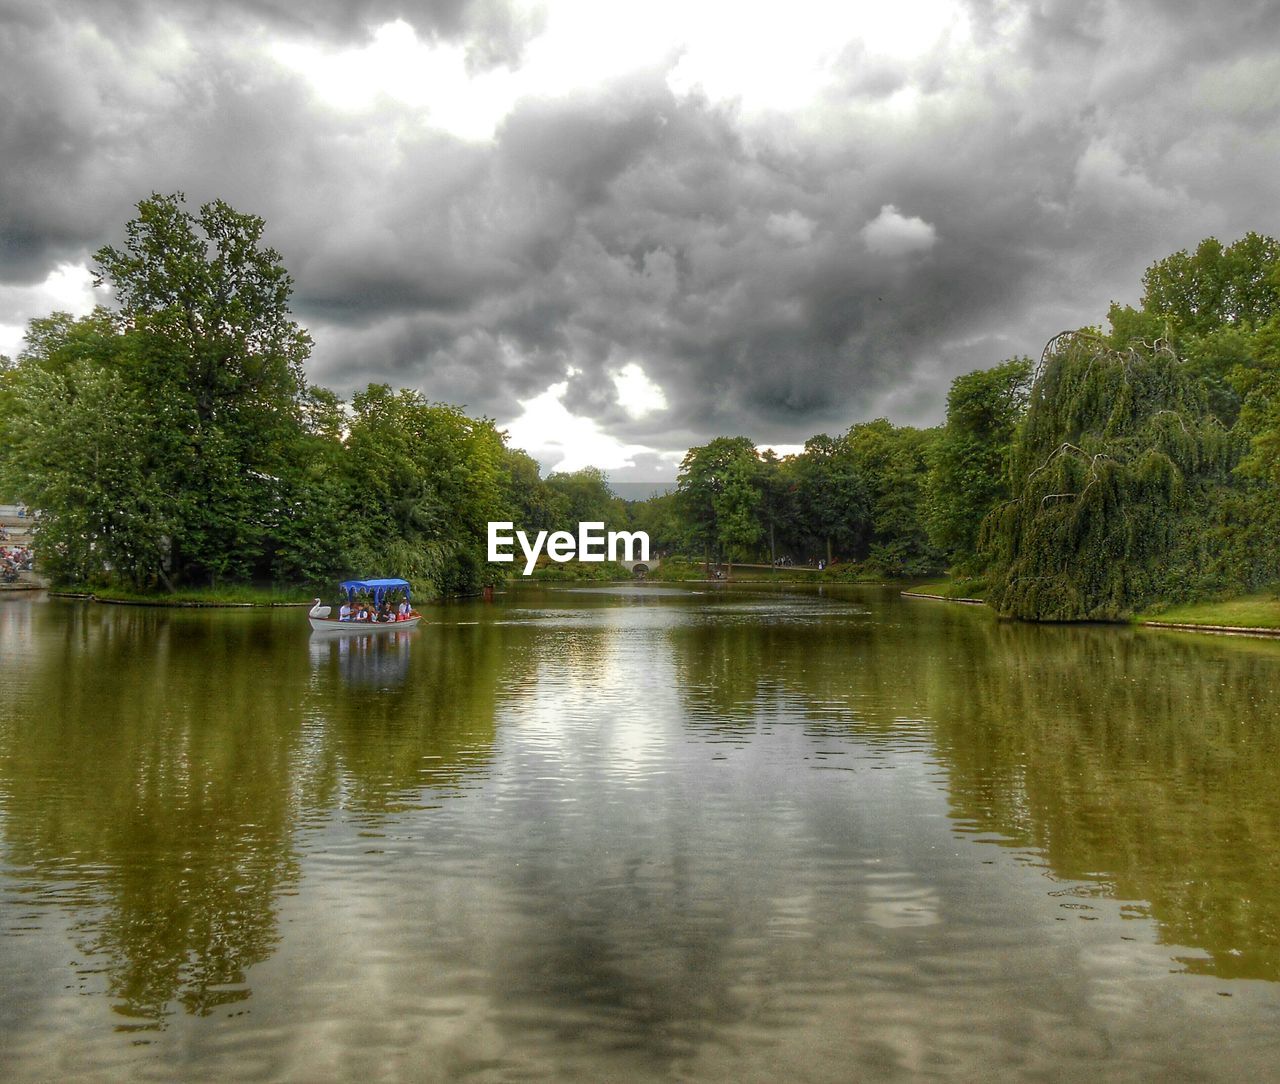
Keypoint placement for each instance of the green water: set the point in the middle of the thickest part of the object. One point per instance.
(635, 833)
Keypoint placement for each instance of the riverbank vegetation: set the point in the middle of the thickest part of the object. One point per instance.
(173, 443)
(1260, 610)
(1135, 466)
(961, 588)
(579, 572)
(224, 595)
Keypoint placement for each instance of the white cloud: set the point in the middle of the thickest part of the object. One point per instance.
(637, 394)
(891, 233)
(723, 49)
(768, 61)
(780, 450)
(431, 78)
(562, 441)
(67, 288)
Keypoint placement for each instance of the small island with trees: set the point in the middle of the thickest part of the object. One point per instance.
(173, 448)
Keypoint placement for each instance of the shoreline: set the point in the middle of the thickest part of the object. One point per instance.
(89, 596)
(1177, 626)
(1217, 630)
(944, 598)
(187, 604)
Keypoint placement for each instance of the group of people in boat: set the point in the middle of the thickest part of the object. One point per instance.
(365, 611)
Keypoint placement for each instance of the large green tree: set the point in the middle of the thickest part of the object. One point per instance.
(531, 504)
(1119, 474)
(779, 500)
(718, 493)
(969, 468)
(832, 496)
(584, 496)
(80, 446)
(894, 462)
(1218, 308)
(217, 354)
(427, 480)
(1207, 305)
(1232, 284)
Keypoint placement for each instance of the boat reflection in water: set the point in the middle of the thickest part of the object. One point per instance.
(366, 659)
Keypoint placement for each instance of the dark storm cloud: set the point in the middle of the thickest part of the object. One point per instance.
(775, 274)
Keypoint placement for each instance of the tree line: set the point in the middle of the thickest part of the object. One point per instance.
(174, 441)
(1133, 464)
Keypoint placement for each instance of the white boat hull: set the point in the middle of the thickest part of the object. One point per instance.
(332, 624)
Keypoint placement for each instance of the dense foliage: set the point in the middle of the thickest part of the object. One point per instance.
(1132, 468)
(1145, 468)
(970, 469)
(1119, 471)
(859, 497)
(174, 442)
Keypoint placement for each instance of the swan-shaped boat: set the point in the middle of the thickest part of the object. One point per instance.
(322, 621)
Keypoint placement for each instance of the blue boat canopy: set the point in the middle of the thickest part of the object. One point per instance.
(377, 588)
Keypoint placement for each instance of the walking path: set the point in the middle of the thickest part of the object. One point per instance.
(26, 581)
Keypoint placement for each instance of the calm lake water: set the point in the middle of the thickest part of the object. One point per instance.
(635, 833)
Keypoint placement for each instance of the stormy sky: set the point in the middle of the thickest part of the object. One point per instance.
(623, 228)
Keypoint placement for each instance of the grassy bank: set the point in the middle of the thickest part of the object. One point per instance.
(968, 589)
(575, 572)
(1258, 611)
(680, 569)
(233, 595)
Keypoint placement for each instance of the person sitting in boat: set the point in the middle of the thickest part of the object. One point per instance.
(344, 614)
(361, 614)
(403, 611)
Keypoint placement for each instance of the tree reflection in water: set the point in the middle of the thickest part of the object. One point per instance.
(1137, 761)
(658, 858)
(142, 758)
(156, 767)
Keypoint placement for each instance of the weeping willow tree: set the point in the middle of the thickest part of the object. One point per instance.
(1119, 472)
